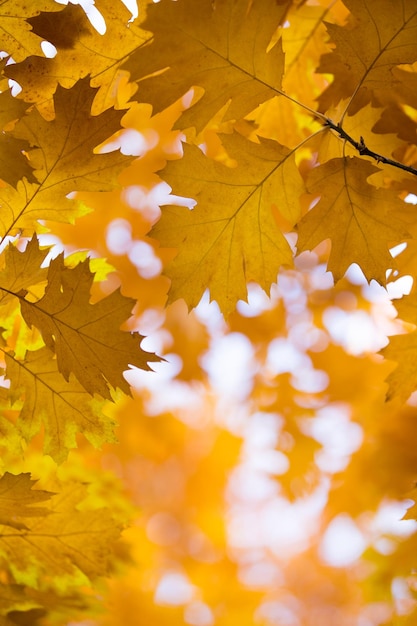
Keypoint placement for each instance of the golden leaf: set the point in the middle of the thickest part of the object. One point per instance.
(378, 36)
(22, 269)
(231, 236)
(63, 407)
(358, 218)
(224, 46)
(13, 163)
(81, 51)
(17, 498)
(63, 160)
(86, 337)
(62, 545)
(17, 37)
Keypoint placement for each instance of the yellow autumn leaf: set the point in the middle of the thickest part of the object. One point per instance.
(231, 236)
(378, 36)
(82, 51)
(86, 337)
(15, 598)
(13, 163)
(359, 219)
(17, 498)
(22, 269)
(11, 109)
(18, 39)
(62, 407)
(237, 465)
(226, 46)
(63, 159)
(69, 544)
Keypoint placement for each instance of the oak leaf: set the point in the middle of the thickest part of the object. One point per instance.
(22, 269)
(63, 407)
(230, 237)
(81, 50)
(86, 337)
(223, 45)
(62, 545)
(367, 49)
(13, 162)
(63, 159)
(17, 498)
(17, 37)
(11, 108)
(358, 218)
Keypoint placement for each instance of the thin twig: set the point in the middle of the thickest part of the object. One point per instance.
(363, 150)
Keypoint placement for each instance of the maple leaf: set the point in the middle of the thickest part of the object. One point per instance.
(63, 407)
(63, 544)
(367, 48)
(230, 237)
(17, 37)
(17, 498)
(63, 160)
(86, 337)
(81, 50)
(358, 218)
(223, 45)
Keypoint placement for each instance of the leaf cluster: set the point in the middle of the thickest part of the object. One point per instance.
(298, 132)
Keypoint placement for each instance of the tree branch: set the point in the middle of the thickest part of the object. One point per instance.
(361, 147)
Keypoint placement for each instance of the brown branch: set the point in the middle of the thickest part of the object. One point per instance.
(361, 147)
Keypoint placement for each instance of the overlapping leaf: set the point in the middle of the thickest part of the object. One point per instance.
(17, 500)
(17, 37)
(86, 337)
(81, 50)
(22, 269)
(62, 407)
(14, 598)
(223, 45)
(63, 160)
(13, 163)
(231, 236)
(358, 218)
(61, 545)
(379, 35)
